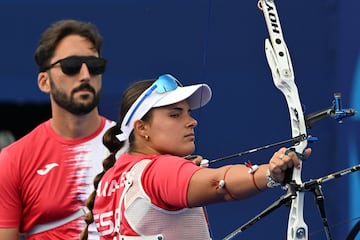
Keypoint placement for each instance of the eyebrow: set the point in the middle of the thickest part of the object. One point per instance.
(181, 109)
(178, 107)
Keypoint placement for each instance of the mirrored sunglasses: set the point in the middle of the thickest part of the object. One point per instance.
(164, 83)
(72, 65)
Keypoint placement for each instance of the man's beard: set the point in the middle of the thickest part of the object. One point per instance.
(70, 105)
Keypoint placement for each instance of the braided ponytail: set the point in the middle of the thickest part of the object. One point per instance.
(113, 145)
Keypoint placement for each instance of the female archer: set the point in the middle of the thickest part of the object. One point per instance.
(151, 191)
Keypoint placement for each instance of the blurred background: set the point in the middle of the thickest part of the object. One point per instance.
(220, 43)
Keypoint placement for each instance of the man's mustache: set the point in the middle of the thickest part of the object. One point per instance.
(84, 86)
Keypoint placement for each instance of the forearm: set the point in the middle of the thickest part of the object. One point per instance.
(9, 233)
(227, 183)
(240, 183)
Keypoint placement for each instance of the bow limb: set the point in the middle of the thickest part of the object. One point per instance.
(279, 61)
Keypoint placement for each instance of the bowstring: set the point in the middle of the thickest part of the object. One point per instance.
(204, 59)
(338, 224)
(205, 77)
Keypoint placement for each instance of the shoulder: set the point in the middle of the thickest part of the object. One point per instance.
(107, 121)
(173, 160)
(106, 124)
(168, 165)
(31, 139)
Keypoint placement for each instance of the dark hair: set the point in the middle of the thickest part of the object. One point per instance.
(113, 144)
(51, 37)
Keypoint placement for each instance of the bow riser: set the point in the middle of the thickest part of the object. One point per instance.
(279, 60)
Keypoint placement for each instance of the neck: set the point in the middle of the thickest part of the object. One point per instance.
(138, 153)
(72, 126)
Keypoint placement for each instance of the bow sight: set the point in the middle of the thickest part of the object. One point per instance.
(335, 111)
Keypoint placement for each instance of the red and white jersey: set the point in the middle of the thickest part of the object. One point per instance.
(46, 178)
(155, 201)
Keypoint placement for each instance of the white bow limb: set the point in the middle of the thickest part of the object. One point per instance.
(279, 61)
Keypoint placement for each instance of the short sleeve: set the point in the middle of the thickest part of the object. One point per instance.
(10, 204)
(166, 181)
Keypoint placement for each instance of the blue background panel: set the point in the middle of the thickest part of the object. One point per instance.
(220, 43)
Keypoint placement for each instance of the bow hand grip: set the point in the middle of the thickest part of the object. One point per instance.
(289, 171)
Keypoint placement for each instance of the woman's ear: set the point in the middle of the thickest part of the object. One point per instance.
(44, 82)
(140, 128)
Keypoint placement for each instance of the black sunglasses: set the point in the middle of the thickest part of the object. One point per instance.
(72, 65)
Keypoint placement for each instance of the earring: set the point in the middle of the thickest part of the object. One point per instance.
(146, 137)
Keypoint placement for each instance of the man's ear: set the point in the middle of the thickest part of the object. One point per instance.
(44, 82)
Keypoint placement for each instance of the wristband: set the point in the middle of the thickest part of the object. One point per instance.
(271, 182)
